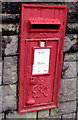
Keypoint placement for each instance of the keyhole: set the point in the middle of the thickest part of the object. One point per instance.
(32, 78)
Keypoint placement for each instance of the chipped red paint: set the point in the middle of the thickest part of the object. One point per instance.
(40, 23)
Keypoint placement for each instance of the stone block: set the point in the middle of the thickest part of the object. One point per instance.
(71, 43)
(64, 108)
(72, 11)
(0, 72)
(13, 7)
(4, 4)
(43, 113)
(71, 115)
(9, 45)
(1, 100)
(68, 44)
(70, 57)
(69, 70)
(1, 116)
(10, 18)
(72, 28)
(68, 90)
(15, 114)
(10, 29)
(9, 97)
(10, 70)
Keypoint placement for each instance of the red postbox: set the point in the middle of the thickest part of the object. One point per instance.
(42, 32)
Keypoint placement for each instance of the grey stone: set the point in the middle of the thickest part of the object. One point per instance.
(10, 18)
(72, 11)
(70, 57)
(1, 99)
(72, 28)
(68, 90)
(13, 7)
(56, 116)
(9, 98)
(12, 47)
(1, 116)
(64, 108)
(43, 114)
(0, 72)
(77, 88)
(10, 41)
(4, 7)
(75, 46)
(15, 114)
(10, 29)
(69, 70)
(67, 44)
(0, 28)
(10, 70)
(71, 115)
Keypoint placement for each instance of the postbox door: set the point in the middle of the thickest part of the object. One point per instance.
(40, 71)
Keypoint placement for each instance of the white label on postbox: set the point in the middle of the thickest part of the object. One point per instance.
(41, 61)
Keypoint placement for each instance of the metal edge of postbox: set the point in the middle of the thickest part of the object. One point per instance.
(22, 109)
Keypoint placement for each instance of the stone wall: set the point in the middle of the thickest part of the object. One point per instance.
(9, 66)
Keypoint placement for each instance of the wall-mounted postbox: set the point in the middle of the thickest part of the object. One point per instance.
(42, 32)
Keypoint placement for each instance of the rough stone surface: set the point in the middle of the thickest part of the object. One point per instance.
(71, 115)
(10, 43)
(69, 70)
(72, 11)
(0, 98)
(10, 18)
(72, 28)
(43, 113)
(10, 70)
(10, 29)
(0, 72)
(12, 47)
(9, 97)
(70, 57)
(13, 7)
(68, 44)
(64, 108)
(3, 7)
(1, 116)
(15, 114)
(68, 90)
(56, 116)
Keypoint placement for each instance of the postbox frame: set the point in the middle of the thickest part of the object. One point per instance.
(22, 50)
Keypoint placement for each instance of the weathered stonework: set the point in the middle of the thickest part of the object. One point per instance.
(43, 114)
(68, 90)
(0, 72)
(10, 18)
(1, 99)
(1, 116)
(10, 70)
(9, 98)
(69, 70)
(68, 44)
(72, 28)
(15, 114)
(64, 108)
(71, 43)
(70, 57)
(71, 115)
(12, 47)
(10, 29)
